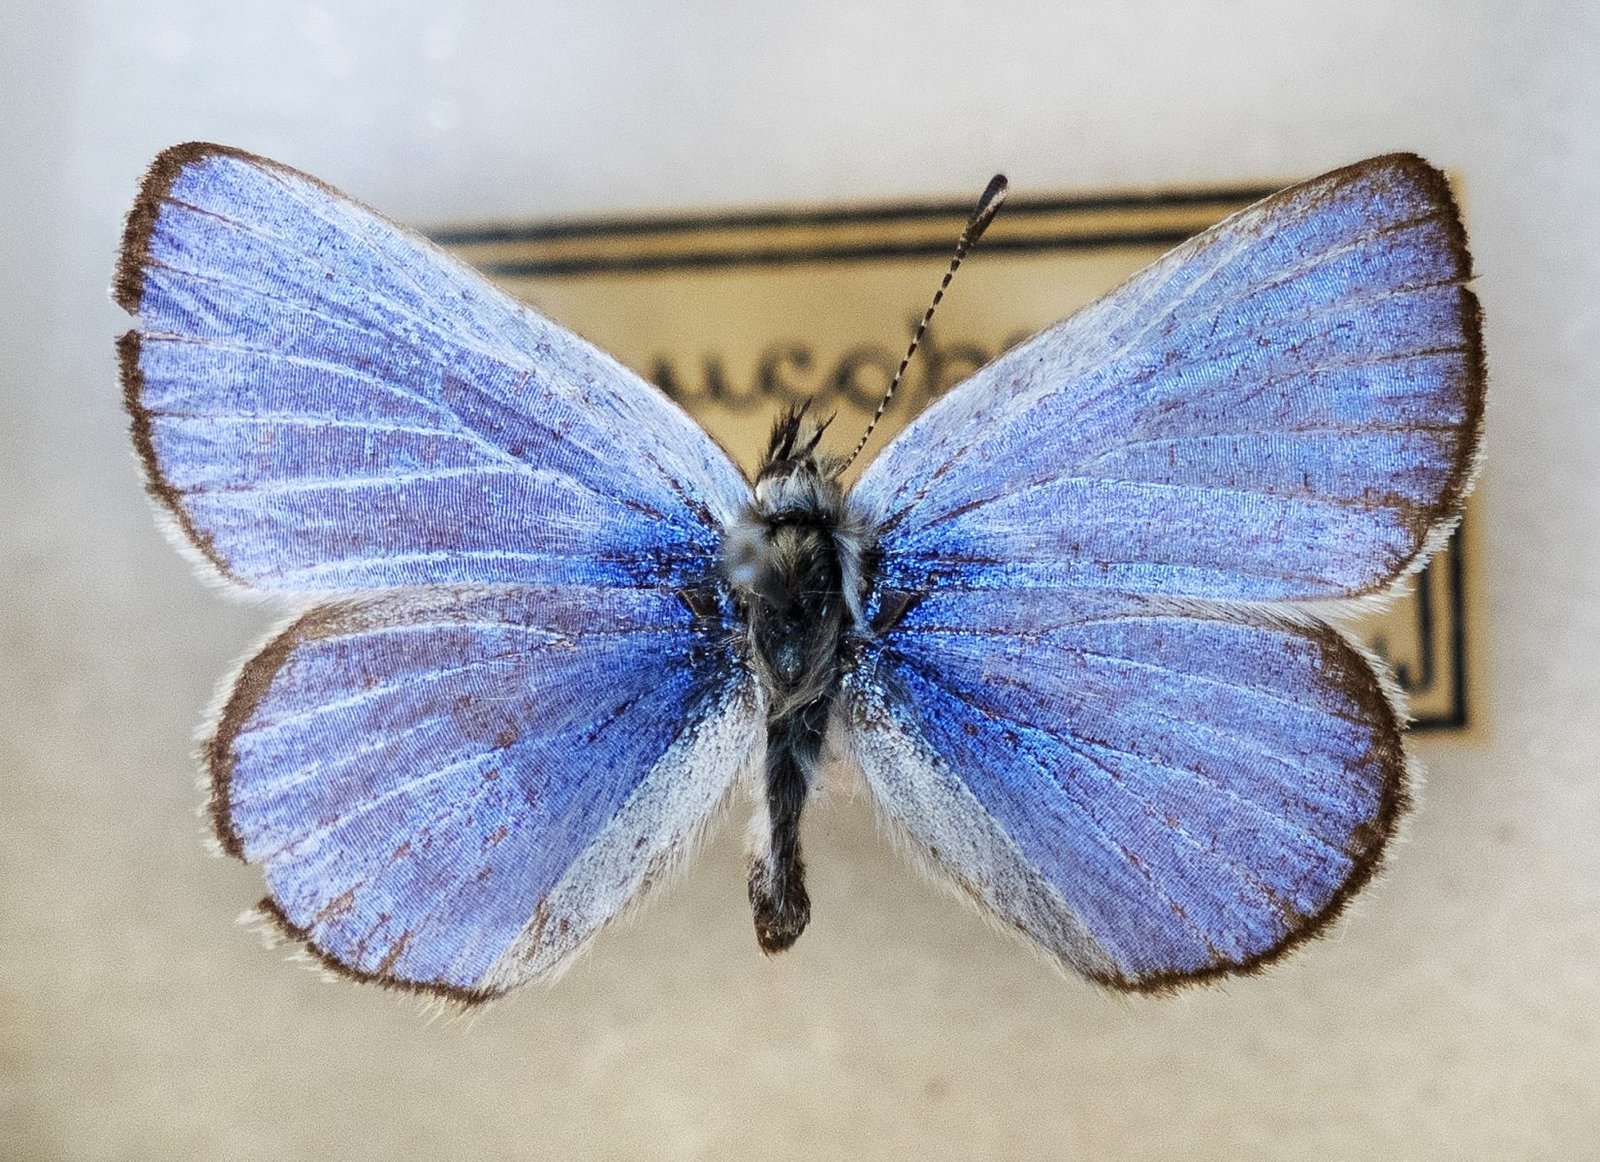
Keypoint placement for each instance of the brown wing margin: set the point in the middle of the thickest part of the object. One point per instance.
(273, 916)
(1350, 669)
(127, 289)
(1435, 523)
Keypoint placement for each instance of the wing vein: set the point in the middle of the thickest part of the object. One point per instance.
(363, 483)
(388, 386)
(1310, 430)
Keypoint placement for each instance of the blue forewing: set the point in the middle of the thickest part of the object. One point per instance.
(516, 690)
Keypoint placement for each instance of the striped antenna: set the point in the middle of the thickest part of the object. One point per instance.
(982, 214)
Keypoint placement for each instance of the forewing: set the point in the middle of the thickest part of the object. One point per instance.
(1287, 406)
(1150, 794)
(324, 400)
(453, 791)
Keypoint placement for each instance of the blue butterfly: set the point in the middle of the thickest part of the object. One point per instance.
(547, 626)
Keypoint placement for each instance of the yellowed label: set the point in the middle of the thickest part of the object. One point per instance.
(736, 315)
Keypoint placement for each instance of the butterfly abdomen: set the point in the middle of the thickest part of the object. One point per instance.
(794, 562)
(779, 901)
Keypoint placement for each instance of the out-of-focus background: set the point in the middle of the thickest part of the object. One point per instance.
(1454, 1014)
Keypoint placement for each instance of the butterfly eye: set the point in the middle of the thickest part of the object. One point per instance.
(742, 554)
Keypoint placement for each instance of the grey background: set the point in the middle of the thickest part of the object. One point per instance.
(1453, 1015)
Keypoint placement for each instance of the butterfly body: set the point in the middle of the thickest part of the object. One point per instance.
(544, 628)
(797, 564)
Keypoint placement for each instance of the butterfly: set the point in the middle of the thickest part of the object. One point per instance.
(1065, 624)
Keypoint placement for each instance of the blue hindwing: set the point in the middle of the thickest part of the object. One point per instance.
(1151, 794)
(455, 790)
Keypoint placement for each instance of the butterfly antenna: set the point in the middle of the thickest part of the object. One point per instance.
(982, 214)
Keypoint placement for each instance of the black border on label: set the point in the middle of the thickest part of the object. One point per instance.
(945, 215)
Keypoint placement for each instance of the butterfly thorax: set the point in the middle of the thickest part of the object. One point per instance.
(795, 564)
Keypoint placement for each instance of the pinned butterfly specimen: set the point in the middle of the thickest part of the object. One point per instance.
(546, 626)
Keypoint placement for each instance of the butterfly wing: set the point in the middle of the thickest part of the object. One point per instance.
(1151, 794)
(514, 725)
(1092, 711)
(1288, 406)
(455, 790)
(325, 401)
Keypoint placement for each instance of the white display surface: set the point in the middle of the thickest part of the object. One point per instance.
(1454, 1013)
